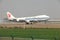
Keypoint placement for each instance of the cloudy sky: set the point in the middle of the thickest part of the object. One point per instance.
(22, 8)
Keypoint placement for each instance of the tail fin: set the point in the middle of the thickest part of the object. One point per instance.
(10, 16)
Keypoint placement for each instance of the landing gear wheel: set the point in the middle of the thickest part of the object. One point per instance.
(27, 23)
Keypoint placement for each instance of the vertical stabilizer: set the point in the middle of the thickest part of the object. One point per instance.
(10, 16)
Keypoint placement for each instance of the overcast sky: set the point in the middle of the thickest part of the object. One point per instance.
(20, 8)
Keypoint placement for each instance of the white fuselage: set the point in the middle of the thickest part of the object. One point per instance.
(34, 18)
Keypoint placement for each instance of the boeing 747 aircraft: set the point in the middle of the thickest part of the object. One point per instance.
(28, 20)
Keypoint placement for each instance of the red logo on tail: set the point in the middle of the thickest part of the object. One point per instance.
(9, 15)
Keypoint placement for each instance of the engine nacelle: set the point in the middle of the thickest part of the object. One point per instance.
(28, 22)
(17, 20)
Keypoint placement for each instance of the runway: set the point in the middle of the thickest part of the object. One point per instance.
(50, 24)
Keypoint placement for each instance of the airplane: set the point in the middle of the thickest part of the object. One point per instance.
(28, 20)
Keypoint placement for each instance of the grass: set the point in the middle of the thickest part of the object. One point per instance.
(28, 33)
